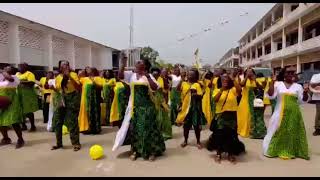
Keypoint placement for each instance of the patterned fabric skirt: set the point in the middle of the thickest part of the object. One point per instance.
(224, 137)
(257, 126)
(175, 99)
(163, 118)
(29, 99)
(289, 140)
(107, 94)
(13, 113)
(93, 108)
(146, 138)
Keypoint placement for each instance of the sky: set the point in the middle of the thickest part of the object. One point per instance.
(158, 25)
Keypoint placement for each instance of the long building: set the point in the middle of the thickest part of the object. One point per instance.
(230, 59)
(23, 40)
(287, 35)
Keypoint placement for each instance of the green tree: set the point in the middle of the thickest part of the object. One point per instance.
(149, 54)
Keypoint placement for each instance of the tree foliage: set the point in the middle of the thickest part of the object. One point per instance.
(149, 54)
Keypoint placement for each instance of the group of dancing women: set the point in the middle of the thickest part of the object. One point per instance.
(145, 103)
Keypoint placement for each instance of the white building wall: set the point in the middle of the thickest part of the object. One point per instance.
(40, 45)
(31, 49)
(105, 58)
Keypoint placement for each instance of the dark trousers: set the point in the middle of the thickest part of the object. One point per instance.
(45, 108)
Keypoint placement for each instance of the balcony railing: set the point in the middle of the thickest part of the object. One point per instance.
(290, 18)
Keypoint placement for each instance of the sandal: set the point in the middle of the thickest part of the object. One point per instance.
(133, 156)
(217, 158)
(32, 129)
(56, 147)
(24, 128)
(5, 141)
(184, 144)
(20, 143)
(76, 147)
(199, 146)
(232, 159)
(152, 158)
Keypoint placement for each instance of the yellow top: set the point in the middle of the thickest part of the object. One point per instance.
(114, 111)
(266, 100)
(206, 102)
(197, 87)
(243, 112)
(215, 83)
(70, 87)
(230, 104)
(99, 81)
(43, 89)
(26, 76)
(111, 81)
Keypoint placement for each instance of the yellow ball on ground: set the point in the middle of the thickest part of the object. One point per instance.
(96, 152)
(65, 130)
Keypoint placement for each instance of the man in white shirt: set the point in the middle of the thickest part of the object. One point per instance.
(315, 89)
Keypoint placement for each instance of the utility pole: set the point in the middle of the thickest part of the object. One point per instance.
(131, 36)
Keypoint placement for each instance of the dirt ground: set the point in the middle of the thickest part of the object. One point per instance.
(36, 158)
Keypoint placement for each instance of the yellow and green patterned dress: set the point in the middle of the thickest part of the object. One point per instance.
(28, 95)
(13, 113)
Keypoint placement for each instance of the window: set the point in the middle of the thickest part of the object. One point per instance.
(279, 46)
(268, 49)
(292, 39)
(294, 7)
(312, 30)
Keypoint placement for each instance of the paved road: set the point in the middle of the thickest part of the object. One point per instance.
(36, 159)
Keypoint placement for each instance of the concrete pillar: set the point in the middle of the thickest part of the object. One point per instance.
(284, 41)
(47, 43)
(263, 49)
(272, 44)
(14, 44)
(300, 32)
(286, 10)
(71, 53)
(272, 17)
(256, 50)
(282, 63)
(298, 64)
(89, 55)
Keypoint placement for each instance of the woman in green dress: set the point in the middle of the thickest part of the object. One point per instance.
(12, 114)
(67, 87)
(286, 137)
(161, 102)
(175, 95)
(28, 95)
(145, 138)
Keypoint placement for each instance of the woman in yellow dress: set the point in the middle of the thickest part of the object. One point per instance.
(224, 137)
(207, 102)
(107, 95)
(121, 92)
(250, 120)
(191, 114)
(89, 115)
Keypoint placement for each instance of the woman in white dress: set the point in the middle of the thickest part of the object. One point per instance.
(175, 95)
(286, 134)
(145, 138)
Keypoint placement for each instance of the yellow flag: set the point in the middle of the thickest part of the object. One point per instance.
(197, 64)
